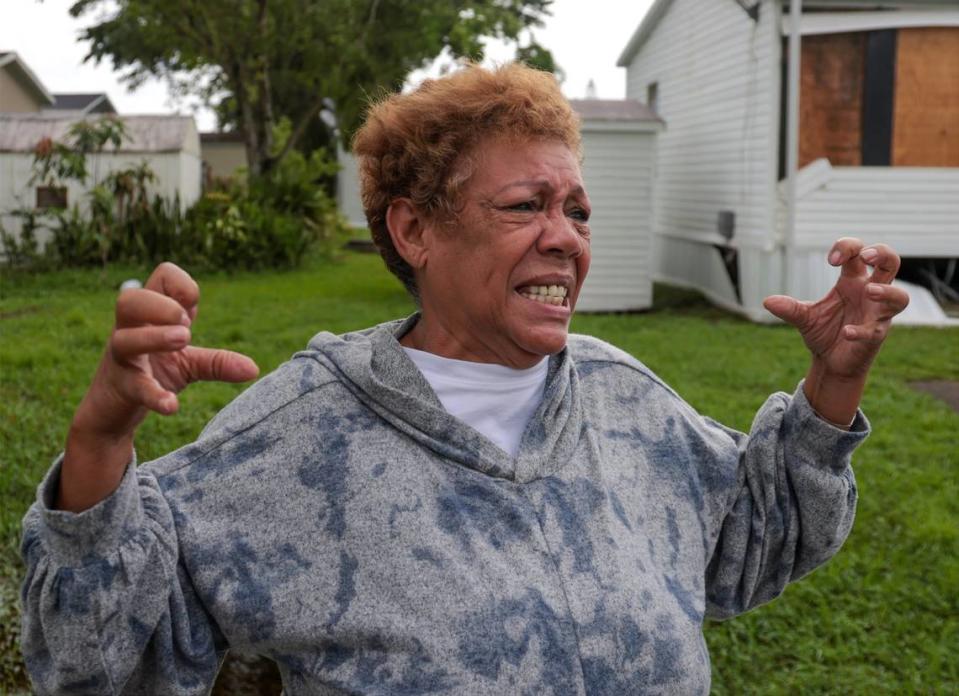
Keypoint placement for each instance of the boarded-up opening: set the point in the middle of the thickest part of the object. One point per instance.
(852, 113)
(830, 98)
(51, 197)
(926, 121)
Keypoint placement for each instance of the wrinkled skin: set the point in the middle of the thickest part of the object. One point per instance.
(523, 222)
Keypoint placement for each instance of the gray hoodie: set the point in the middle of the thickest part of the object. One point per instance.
(337, 520)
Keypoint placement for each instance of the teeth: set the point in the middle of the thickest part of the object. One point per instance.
(545, 290)
(544, 299)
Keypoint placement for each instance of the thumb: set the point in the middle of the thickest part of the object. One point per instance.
(217, 365)
(789, 309)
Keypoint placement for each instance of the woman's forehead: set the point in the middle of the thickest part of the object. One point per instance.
(501, 165)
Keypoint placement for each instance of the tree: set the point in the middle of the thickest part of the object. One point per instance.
(263, 60)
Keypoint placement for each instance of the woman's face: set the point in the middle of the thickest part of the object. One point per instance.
(500, 282)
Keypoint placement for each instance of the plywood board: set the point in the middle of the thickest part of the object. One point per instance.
(830, 99)
(926, 120)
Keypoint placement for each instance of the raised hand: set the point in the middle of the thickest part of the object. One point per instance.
(845, 329)
(148, 360)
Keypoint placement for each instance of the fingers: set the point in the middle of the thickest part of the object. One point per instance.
(213, 364)
(788, 309)
(854, 257)
(884, 260)
(171, 280)
(845, 253)
(873, 333)
(126, 344)
(137, 307)
(147, 391)
(891, 300)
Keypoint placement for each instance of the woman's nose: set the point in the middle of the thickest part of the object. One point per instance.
(560, 236)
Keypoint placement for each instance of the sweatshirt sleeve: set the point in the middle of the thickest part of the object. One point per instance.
(107, 607)
(790, 509)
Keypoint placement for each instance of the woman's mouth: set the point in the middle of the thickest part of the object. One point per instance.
(546, 294)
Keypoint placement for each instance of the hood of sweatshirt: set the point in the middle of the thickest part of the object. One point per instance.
(374, 367)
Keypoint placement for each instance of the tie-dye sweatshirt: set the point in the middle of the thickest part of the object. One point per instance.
(337, 520)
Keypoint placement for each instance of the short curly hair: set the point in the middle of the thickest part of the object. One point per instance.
(419, 145)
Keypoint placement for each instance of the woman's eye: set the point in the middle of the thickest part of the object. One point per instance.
(524, 207)
(579, 214)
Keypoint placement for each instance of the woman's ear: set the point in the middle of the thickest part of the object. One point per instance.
(408, 230)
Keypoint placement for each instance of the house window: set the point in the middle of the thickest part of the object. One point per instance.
(652, 96)
(51, 197)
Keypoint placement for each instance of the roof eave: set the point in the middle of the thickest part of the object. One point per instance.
(31, 78)
(645, 28)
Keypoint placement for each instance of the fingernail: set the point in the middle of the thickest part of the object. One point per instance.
(834, 257)
(184, 319)
(868, 255)
(874, 289)
(177, 334)
(168, 404)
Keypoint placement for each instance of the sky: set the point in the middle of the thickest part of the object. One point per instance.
(585, 36)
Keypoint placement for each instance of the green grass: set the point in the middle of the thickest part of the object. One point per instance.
(882, 617)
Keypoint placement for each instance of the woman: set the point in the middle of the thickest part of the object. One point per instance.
(466, 501)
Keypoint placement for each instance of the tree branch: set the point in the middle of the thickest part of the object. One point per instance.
(300, 129)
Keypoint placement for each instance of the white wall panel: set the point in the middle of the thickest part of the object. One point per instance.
(913, 209)
(175, 172)
(618, 174)
(717, 76)
(348, 189)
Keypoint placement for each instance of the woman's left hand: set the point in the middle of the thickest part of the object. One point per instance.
(845, 329)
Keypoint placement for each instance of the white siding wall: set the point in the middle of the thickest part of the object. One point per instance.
(618, 173)
(15, 171)
(718, 91)
(915, 210)
(190, 179)
(348, 189)
(175, 172)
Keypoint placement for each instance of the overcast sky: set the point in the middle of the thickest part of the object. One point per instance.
(585, 36)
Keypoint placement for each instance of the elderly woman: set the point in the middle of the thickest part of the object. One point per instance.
(467, 501)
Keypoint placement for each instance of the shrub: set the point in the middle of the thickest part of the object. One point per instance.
(273, 222)
(23, 251)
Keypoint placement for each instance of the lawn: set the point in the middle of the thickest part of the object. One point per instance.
(882, 617)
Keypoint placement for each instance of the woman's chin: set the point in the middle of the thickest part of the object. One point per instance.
(544, 341)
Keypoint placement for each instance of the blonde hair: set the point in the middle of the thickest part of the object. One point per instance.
(418, 145)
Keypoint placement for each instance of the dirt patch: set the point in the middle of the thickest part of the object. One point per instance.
(943, 389)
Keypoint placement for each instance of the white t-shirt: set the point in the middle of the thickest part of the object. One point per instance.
(497, 401)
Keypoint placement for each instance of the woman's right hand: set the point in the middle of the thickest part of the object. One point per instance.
(147, 361)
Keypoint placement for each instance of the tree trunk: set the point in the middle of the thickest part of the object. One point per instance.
(264, 92)
(248, 124)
